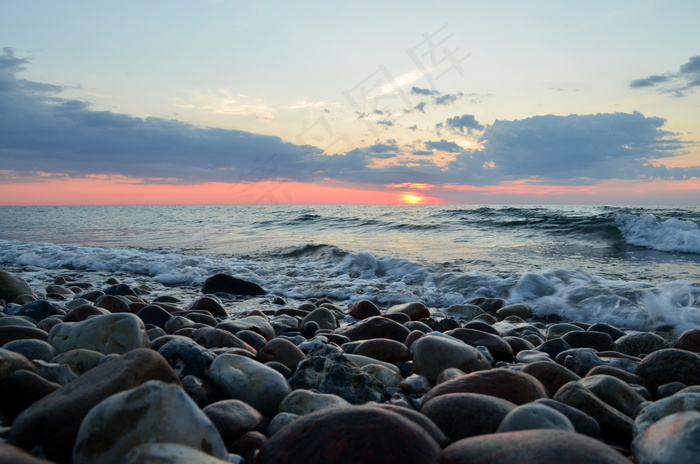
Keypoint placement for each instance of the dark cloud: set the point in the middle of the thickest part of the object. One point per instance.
(466, 123)
(386, 122)
(447, 99)
(676, 84)
(420, 107)
(422, 152)
(419, 91)
(444, 145)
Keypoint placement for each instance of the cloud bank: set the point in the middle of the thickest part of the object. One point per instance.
(42, 134)
(687, 78)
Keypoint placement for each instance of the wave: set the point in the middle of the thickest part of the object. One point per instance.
(650, 231)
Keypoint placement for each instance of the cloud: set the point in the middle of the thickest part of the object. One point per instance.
(435, 96)
(419, 91)
(466, 123)
(685, 79)
(386, 122)
(447, 99)
(444, 145)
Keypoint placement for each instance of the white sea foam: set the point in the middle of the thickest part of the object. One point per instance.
(647, 230)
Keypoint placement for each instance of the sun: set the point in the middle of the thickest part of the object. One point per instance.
(411, 199)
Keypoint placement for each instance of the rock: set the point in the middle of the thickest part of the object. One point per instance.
(168, 453)
(672, 440)
(121, 289)
(83, 312)
(532, 356)
(558, 330)
(582, 422)
(11, 361)
(210, 304)
(20, 321)
(376, 327)
(640, 343)
(186, 357)
(324, 317)
(12, 455)
(615, 426)
(531, 447)
(534, 416)
(434, 353)
(415, 385)
(176, 323)
(613, 331)
(279, 422)
(462, 415)
(210, 337)
(468, 311)
(202, 391)
(614, 392)
(302, 402)
(511, 385)
(247, 380)
(254, 339)
(552, 375)
(32, 349)
(12, 286)
(414, 310)
(248, 445)
(335, 374)
(38, 310)
(61, 374)
(383, 349)
(52, 422)
(154, 314)
(150, 413)
(528, 332)
(282, 351)
(113, 333)
(11, 333)
(621, 374)
(382, 373)
(113, 304)
(20, 389)
(482, 326)
(599, 341)
(499, 348)
(657, 410)
(490, 305)
(670, 365)
(234, 418)
(223, 283)
(351, 435)
(257, 324)
(689, 341)
(582, 360)
(363, 309)
(81, 360)
(518, 309)
(319, 346)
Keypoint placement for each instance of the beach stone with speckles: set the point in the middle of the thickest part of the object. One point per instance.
(111, 333)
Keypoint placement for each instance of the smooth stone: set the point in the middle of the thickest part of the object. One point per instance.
(169, 453)
(527, 332)
(434, 353)
(32, 349)
(80, 359)
(518, 344)
(248, 380)
(669, 389)
(534, 416)
(387, 376)
(224, 283)
(351, 435)
(176, 323)
(582, 360)
(199, 317)
(418, 418)
(468, 311)
(511, 385)
(302, 402)
(47, 324)
(558, 330)
(448, 374)
(280, 421)
(11, 361)
(283, 323)
(61, 374)
(490, 305)
(318, 346)
(11, 333)
(52, 422)
(415, 384)
(552, 375)
(258, 324)
(12, 455)
(462, 415)
(532, 356)
(376, 327)
(324, 317)
(383, 349)
(113, 304)
(499, 348)
(413, 336)
(621, 374)
(417, 325)
(17, 321)
(59, 290)
(21, 389)
(639, 343)
(248, 446)
(336, 374)
(211, 337)
(210, 304)
(414, 310)
(113, 333)
(689, 341)
(150, 413)
(615, 426)
(614, 392)
(599, 341)
(670, 365)
(532, 447)
(234, 418)
(363, 309)
(653, 412)
(187, 357)
(83, 312)
(482, 326)
(254, 339)
(282, 351)
(155, 315)
(12, 286)
(121, 289)
(202, 391)
(582, 422)
(672, 440)
(611, 330)
(520, 310)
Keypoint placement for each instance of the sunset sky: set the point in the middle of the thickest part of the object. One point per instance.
(224, 102)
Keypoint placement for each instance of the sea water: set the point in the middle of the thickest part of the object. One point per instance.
(633, 267)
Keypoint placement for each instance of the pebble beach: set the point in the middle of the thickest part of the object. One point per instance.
(108, 372)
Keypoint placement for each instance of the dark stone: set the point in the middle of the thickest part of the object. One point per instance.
(363, 309)
(210, 337)
(529, 332)
(210, 304)
(552, 375)
(38, 310)
(12, 455)
(336, 375)
(490, 305)
(554, 347)
(233, 418)
(122, 289)
(253, 339)
(353, 435)
(401, 318)
(462, 415)
(599, 341)
(14, 332)
(414, 310)
(582, 422)
(670, 365)
(621, 374)
(376, 327)
(248, 445)
(21, 389)
(201, 391)
(518, 344)
(258, 324)
(153, 314)
(83, 312)
(511, 385)
(640, 343)
(282, 351)
(481, 326)
(52, 422)
(611, 330)
(112, 303)
(383, 349)
(689, 341)
(531, 447)
(32, 349)
(223, 283)
(186, 357)
(499, 348)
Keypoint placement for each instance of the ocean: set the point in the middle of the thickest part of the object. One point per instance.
(633, 267)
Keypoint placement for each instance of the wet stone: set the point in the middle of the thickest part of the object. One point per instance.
(640, 343)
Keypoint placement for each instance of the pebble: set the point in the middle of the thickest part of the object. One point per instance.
(434, 353)
(653, 412)
(414, 310)
(281, 351)
(552, 375)
(674, 439)
(112, 333)
(363, 309)
(233, 419)
(534, 416)
(670, 365)
(169, 453)
(32, 349)
(301, 402)
(640, 343)
(689, 341)
(376, 327)
(499, 348)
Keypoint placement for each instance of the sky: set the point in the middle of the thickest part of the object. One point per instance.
(311, 102)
